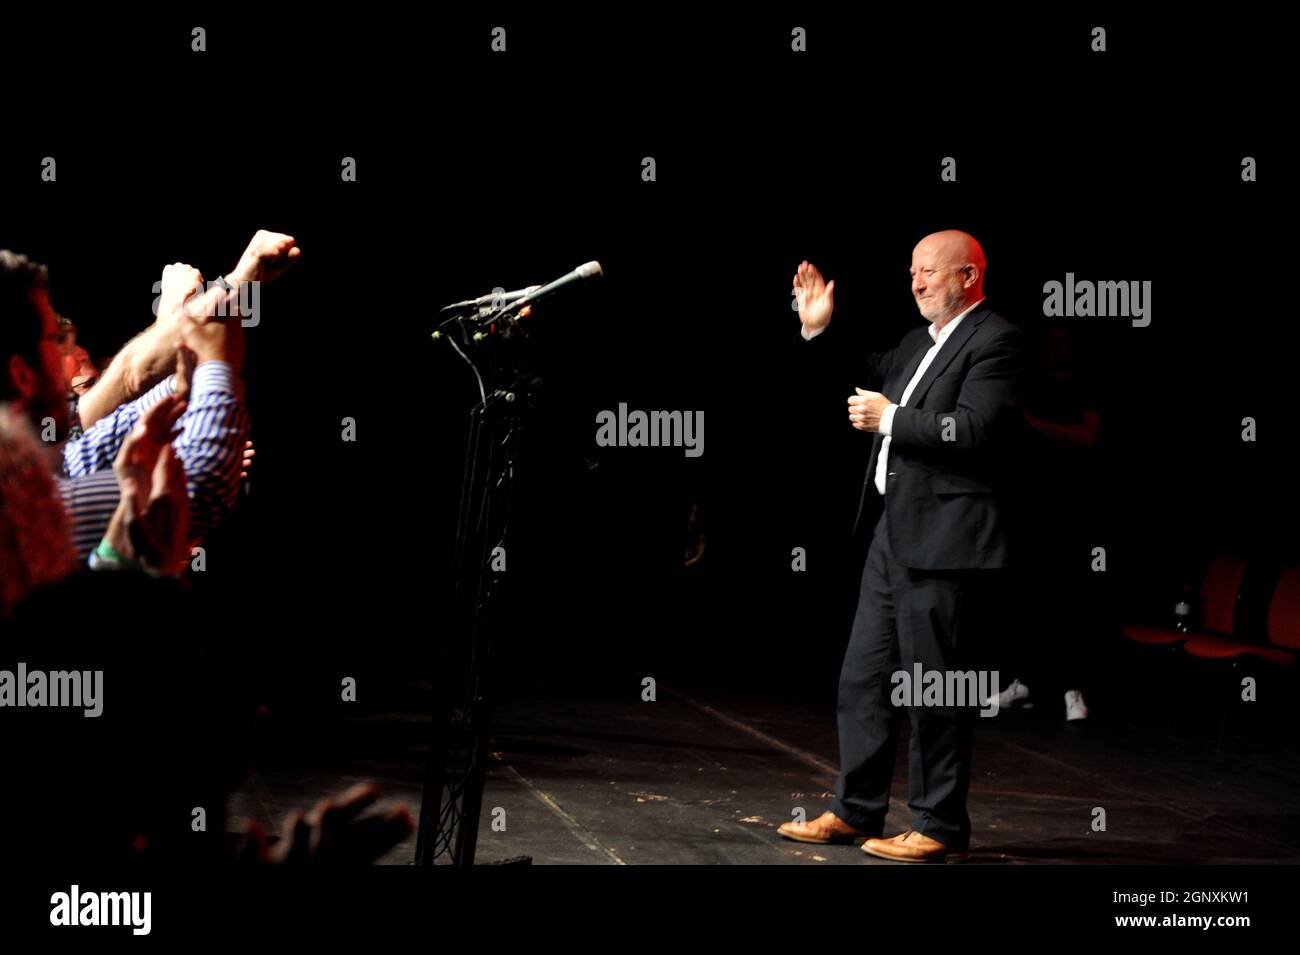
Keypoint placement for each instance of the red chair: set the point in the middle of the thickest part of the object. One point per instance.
(1220, 593)
(1283, 630)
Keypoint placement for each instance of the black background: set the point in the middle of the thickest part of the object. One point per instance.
(478, 170)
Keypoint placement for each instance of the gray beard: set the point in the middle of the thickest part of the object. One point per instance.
(952, 305)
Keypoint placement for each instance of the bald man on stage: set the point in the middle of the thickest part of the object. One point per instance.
(939, 424)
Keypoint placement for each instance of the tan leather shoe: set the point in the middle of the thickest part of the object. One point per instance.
(911, 847)
(826, 828)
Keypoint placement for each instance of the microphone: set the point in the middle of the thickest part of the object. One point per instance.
(583, 273)
(492, 307)
(492, 298)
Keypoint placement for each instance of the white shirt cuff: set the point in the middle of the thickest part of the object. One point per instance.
(887, 419)
(806, 337)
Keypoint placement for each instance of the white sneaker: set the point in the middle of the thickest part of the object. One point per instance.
(1075, 708)
(1016, 693)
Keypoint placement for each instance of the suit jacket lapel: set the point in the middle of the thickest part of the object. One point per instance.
(955, 343)
(897, 382)
(903, 374)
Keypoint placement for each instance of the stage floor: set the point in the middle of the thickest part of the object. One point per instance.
(702, 778)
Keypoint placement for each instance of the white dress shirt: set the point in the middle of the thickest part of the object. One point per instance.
(887, 416)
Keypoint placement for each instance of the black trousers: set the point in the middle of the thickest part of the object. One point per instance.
(906, 617)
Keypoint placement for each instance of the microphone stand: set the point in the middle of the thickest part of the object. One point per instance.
(462, 702)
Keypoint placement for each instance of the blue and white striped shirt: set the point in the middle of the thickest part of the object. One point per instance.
(210, 445)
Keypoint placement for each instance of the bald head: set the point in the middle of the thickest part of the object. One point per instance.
(947, 274)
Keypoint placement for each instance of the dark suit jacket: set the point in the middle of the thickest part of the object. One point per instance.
(953, 443)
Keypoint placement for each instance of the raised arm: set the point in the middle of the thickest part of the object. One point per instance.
(214, 428)
(146, 359)
(816, 300)
(215, 425)
(150, 356)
